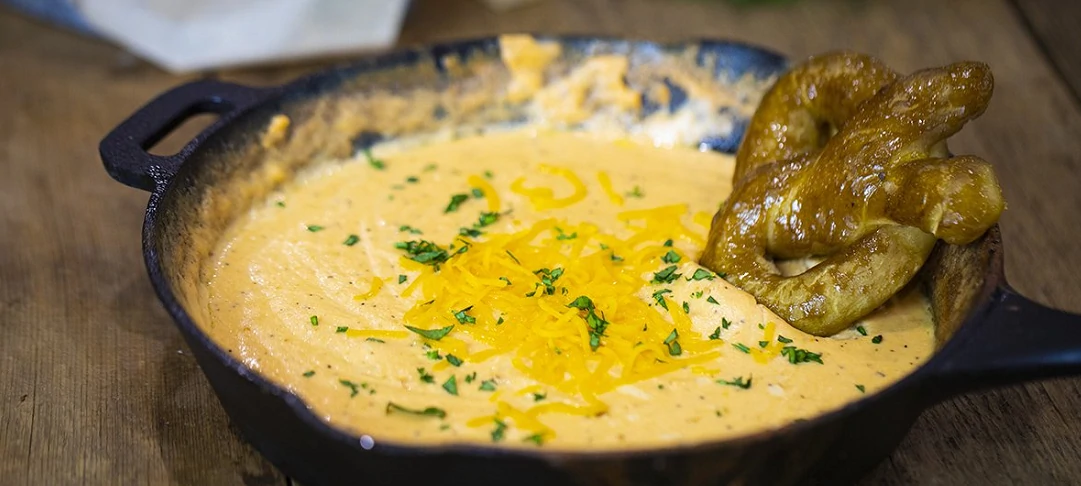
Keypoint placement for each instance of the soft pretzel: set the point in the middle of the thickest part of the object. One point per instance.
(844, 159)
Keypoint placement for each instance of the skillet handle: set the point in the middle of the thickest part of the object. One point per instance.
(1018, 340)
(123, 151)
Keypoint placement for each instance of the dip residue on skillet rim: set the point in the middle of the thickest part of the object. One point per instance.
(317, 287)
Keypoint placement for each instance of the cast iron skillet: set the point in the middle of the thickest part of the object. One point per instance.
(987, 334)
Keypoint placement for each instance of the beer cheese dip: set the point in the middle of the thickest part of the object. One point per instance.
(528, 289)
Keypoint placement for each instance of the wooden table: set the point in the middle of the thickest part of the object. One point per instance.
(97, 387)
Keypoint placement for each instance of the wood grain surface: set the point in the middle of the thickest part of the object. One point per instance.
(96, 386)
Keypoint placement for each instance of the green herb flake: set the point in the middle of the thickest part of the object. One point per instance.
(456, 201)
(487, 385)
(499, 431)
(409, 229)
(375, 340)
(686, 307)
(861, 388)
(697, 295)
(464, 318)
(402, 279)
(424, 376)
(725, 323)
(512, 257)
(737, 382)
(659, 297)
(314, 228)
(796, 355)
(713, 301)
(672, 342)
(783, 340)
(353, 387)
(412, 179)
(476, 192)
(374, 162)
(488, 174)
(426, 412)
(451, 385)
(668, 242)
(433, 354)
(499, 321)
(454, 360)
(309, 374)
(702, 274)
(716, 335)
(563, 236)
(351, 240)
(423, 251)
(671, 257)
(615, 258)
(861, 330)
(430, 167)
(341, 329)
(470, 377)
(314, 320)
(877, 339)
(763, 344)
(636, 192)
(539, 396)
(742, 347)
(537, 439)
(433, 334)
(470, 232)
(667, 275)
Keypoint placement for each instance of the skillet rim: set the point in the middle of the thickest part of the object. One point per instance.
(327, 80)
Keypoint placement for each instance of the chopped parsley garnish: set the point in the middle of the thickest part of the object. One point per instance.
(667, 275)
(672, 342)
(470, 232)
(309, 373)
(487, 385)
(671, 257)
(742, 347)
(454, 360)
(351, 240)
(374, 162)
(686, 307)
(636, 192)
(659, 297)
(713, 301)
(455, 201)
(314, 228)
(877, 339)
(423, 251)
(424, 376)
(763, 344)
(597, 324)
(280, 204)
(433, 334)
(499, 321)
(433, 354)
(796, 355)
(375, 340)
(402, 279)
(464, 318)
(697, 295)
(861, 330)
(563, 236)
(738, 382)
(470, 377)
(341, 329)
(430, 167)
(783, 340)
(427, 412)
(535, 438)
(314, 320)
(451, 385)
(353, 387)
(499, 431)
(410, 229)
(604, 246)
(477, 192)
(488, 174)
(505, 279)
(668, 242)
(725, 323)
(616, 258)
(702, 274)
(716, 334)
(548, 278)
(486, 219)
(539, 396)
(861, 388)
(412, 179)
(512, 257)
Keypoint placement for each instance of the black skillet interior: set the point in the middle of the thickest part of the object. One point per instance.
(987, 334)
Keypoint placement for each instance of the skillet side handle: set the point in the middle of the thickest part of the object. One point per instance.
(1019, 340)
(124, 150)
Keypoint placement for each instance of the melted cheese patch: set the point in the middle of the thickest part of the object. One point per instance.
(532, 291)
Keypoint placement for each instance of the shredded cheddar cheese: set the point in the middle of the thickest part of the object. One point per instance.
(377, 284)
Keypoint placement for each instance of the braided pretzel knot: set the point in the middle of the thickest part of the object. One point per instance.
(846, 159)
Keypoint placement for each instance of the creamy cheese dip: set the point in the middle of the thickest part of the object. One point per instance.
(549, 298)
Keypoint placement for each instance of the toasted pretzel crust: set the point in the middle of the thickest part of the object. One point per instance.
(847, 160)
